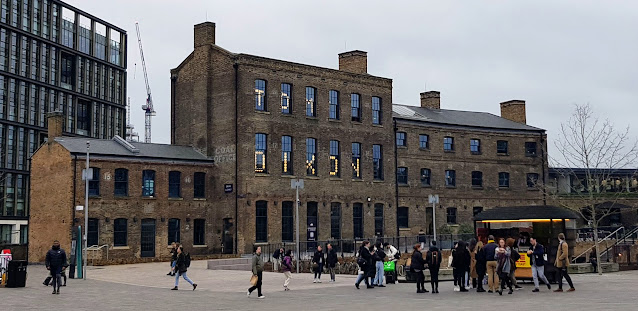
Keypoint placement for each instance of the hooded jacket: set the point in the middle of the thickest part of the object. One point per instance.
(418, 263)
(433, 258)
(56, 257)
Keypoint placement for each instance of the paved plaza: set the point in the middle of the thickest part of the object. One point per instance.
(146, 287)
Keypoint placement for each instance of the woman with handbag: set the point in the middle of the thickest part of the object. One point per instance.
(258, 269)
(318, 260)
(364, 261)
(416, 266)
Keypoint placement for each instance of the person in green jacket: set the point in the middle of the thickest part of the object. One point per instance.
(258, 269)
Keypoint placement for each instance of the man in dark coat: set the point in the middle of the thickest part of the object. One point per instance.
(56, 262)
(331, 261)
(536, 254)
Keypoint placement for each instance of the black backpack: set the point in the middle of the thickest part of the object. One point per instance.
(187, 260)
(515, 255)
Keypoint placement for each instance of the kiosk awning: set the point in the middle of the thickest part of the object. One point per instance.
(526, 213)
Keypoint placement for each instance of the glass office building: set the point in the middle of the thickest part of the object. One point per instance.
(53, 57)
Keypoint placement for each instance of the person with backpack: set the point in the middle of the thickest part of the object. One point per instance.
(182, 264)
(286, 267)
(331, 261)
(433, 260)
(379, 257)
(511, 243)
(417, 265)
(364, 260)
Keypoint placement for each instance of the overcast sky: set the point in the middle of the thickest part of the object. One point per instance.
(553, 54)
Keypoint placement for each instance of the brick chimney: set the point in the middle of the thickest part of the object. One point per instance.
(514, 110)
(354, 61)
(431, 100)
(55, 121)
(204, 34)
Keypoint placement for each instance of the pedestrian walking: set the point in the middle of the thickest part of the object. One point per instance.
(536, 254)
(433, 260)
(331, 261)
(173, 262)
(286, 267)
(257, 269)
(182, 263)
(318, 261)
(277, 256)
(56, 262)
(379, 259)
(562, 263)
(416, 266)
(503, 253)
(511, 243)
(364, 260)
(461, 263)
(481, 266)
(491, 265)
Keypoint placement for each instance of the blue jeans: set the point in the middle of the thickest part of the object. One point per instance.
(378, 278)
(177, 274)
(362, 277)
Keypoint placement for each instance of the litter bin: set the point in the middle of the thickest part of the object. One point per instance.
(17, 273)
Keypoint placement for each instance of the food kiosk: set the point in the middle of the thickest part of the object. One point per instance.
(543, 222)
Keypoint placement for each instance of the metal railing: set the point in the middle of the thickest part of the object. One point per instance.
(606, 239)
(349, 247)
(97, 248)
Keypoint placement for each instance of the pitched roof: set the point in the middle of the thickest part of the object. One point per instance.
(458, 118)
(117, 147)
(526, 212)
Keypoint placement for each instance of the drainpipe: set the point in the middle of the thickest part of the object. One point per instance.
(396, 182)
(75, 169)
(543, 165)
(236, 67)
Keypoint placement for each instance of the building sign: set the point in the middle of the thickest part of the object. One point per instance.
(228, 188)
(524, 261)
(312, 232)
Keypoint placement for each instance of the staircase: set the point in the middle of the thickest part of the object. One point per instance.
(620, 237)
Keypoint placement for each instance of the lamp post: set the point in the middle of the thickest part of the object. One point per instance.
(434, 199)
(297, 184)
(86, 208)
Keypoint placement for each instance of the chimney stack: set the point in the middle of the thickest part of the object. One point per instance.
(354, 61)
(514, 110)
(431, 100)
(55, 120)
(204, 34)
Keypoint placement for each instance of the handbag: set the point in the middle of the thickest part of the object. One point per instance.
(315, 266)
(253, 280)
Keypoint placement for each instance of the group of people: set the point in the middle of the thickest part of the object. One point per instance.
(498, 261)
(180, 262)
(370, 259)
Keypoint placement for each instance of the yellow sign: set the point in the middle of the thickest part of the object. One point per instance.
(524, 261)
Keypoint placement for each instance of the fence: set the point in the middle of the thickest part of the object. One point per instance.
(349, 247)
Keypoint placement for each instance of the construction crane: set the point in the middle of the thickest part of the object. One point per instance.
(131, 134)
(148, 107)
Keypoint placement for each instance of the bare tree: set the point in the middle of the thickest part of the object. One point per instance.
(594, 150)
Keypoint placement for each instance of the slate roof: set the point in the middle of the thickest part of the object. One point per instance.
(526, 212)
(111, 147)
(458, 117)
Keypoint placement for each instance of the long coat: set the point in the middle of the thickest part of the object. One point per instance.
(562, 255)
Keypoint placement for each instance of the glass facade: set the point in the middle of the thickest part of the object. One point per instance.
(47, 64)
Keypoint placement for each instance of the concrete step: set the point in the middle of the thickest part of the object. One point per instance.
(230, 261)
(239, 267)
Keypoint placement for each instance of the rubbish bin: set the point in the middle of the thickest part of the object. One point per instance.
(17, 273)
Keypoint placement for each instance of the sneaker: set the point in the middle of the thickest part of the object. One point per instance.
(57, 292)
(381, 285)
(510, 292)
(420, 292)
(318, 280)
(261, 297)
(53, 292)
(248, 293)
(480, 290)
(63, 285)
(356, 285)
(174, 288)
(548, 286)
(536, 290)
(464, 290)
(314, 281)
(571, 289)
(500, 292)
(457, 289)
(170, 273)
(194, 286)
(369, 286)
(560, 290)
(517, 287)
(490, 291)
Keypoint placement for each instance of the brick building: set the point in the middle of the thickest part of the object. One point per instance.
(52, 57)
(267, 121)
(472, 160)
(142, 197)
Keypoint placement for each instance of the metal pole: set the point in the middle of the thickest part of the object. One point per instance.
(86, 208)
(297, 218)
(434, 220)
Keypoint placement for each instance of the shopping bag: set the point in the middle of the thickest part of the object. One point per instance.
(389, 266)
(253, 280)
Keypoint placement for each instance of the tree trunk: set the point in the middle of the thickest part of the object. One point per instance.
(595, 224)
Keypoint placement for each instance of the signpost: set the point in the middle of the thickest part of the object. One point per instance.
(297, 184)
(434, 199)
(87, 175)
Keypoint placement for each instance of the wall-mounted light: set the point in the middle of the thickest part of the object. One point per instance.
(163, 219)
(369, 199)
(134, 219)
(107, 220)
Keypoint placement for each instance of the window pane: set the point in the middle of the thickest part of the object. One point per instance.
(450, 178)
(501, 147)
(260, 153)
(477, 179)
(357, 218)
(402, 175)
(260, 95)
(376, 110)
(377, 162)
(261, 221)
(311, 157)
(503, 179)
(475, 146)
(356, 160)
(424, 141)
(402, 217)
(174, 184)
(199, 185)
(530, 149)
(335, 220)
(121, 182)
(94, 183)
(334, 105)
(335, 159)
(448, 143)
(92, 237)
(286, 98)
(451, 215)
(355, 107)
(199, 232)
(173, 230)
(378, 219)
(401, 139)
(148, 183)
(532, 180)
(120, 232)
(425, 177)
(311, 105)
(287, 221)
(286, 155)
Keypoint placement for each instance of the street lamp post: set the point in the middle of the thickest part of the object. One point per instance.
(434, 199)
(297, 184)
(86, 208)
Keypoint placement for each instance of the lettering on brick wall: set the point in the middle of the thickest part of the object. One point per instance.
(224, 154)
